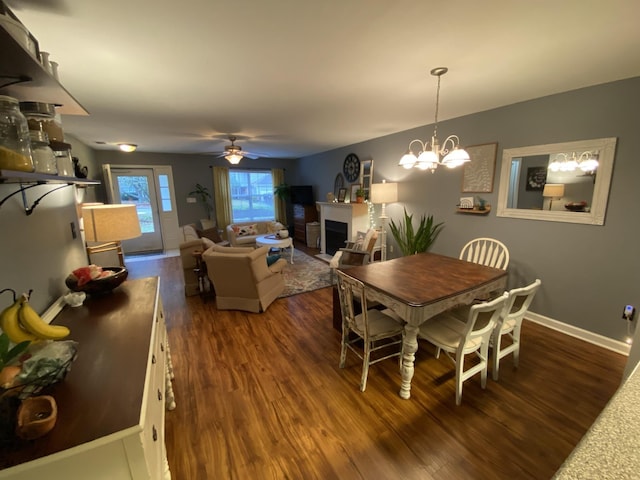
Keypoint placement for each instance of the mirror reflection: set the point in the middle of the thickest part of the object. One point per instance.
(567, 182)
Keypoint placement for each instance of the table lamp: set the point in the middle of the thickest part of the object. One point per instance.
(110, 224)
(384, 193)
(553, 190)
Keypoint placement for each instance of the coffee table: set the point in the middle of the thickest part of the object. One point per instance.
(272, 241)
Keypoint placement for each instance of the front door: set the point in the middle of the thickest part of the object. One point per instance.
(137, 186)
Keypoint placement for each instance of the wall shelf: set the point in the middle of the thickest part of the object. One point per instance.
(34, 83)
(475, 210)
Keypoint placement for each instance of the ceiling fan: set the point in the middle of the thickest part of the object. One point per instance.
(234, 153)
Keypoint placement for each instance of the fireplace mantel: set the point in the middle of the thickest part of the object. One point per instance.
(355, 215)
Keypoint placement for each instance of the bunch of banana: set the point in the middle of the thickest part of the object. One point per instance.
(21, 323)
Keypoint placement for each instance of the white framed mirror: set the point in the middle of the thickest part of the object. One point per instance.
(366, 177)
(540, 182)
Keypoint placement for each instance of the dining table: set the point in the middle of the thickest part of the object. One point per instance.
(419, 287)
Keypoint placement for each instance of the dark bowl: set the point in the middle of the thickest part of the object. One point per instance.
(576, 206)
(100, 285)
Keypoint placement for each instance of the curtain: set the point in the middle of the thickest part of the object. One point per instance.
(222, 196)
(280, 207)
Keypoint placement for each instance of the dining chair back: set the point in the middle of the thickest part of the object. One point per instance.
(460, 338)
(379, 330)
(486, 251)
(509, 325)
(354, 253)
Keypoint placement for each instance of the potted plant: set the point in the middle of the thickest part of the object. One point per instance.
(412, 241)
(360, 195)
(282, 191)
(204, 197)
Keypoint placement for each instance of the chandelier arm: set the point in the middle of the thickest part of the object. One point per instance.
(455, 142)
(423, 145)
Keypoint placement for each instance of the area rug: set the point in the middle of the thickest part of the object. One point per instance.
(305, 275)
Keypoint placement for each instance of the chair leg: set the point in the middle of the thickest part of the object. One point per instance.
(437, 352)
(459, 368)
(495, 357)
(343, 349)
(516, 353)
(365, 366)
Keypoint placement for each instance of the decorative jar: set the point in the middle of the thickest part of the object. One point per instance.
(15, 145)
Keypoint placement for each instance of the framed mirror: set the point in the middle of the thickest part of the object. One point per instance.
(560, 182)
(366, 177)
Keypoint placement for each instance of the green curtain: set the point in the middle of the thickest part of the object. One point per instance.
(222, 196)
(280, 207)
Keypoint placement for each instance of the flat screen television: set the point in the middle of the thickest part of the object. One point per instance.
(302, 194)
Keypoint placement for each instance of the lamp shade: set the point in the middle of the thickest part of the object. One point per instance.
(384, 192)
(553, 190)
(110, 223)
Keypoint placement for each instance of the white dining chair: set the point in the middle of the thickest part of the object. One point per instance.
(378, 329)
(486, 251)
(460, 338)
(509, 325)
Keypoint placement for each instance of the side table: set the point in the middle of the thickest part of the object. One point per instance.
(204, 284)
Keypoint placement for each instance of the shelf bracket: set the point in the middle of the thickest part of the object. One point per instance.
(29, 210)
(21, 190)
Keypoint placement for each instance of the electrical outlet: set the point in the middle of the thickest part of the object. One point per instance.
(629, 312)
(390, 248)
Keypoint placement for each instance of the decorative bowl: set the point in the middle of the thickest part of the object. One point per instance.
(99, 285)
(576, 206)
(36, 417)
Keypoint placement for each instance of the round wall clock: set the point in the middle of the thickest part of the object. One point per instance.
(351, 167)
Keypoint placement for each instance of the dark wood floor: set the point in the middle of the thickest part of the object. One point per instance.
(260, 396)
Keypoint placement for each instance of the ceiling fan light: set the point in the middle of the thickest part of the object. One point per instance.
(233, 158)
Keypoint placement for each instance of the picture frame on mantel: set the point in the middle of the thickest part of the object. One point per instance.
(477, 176)
(342, 194)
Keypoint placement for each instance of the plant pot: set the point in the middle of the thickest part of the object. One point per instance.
(359, 199)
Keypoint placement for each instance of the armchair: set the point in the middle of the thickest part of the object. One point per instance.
(242, 279)
(355, 253)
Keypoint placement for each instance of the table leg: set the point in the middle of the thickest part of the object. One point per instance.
(291, 247)
(410, 347)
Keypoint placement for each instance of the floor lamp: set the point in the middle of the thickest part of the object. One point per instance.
(110, 224)
(384, 193)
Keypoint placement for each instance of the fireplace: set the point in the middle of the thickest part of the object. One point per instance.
(335, 235)
(351, 218)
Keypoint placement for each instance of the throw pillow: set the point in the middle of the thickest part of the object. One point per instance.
(244, 230)
(271, 259)
(359, 240)
(273, 227)
(210, 233)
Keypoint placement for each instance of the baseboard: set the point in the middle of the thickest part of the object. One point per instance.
(600, 340)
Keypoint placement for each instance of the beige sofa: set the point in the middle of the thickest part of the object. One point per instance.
(244, 234)
(191, 242)
(241, 278)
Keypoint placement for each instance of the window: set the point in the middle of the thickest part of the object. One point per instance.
(165, 192)
(251, 195)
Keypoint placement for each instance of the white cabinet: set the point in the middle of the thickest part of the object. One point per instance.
(111, 405)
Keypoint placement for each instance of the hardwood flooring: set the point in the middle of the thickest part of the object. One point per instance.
(260, 396)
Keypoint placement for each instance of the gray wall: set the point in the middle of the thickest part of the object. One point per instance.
(187, 171)
(588, 272)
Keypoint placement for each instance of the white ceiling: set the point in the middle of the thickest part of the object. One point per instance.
(292, 77)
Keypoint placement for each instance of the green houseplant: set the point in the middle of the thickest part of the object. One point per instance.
(360, 195)
(282, 191)
(415, 241)
(204, 197)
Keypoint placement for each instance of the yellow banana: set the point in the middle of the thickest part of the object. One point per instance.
(11, 326)
(32, 322)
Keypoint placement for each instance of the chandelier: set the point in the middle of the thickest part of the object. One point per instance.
(586, 161)
(428, 157)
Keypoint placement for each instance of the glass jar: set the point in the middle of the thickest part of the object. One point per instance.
(42, 117)
(42, 155)
(64, 163)
(15, 146)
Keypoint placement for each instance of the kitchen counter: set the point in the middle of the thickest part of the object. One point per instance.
(609, 449)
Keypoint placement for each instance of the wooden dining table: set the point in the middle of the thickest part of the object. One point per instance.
(418, 287)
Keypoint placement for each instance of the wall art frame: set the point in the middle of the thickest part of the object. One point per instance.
(477, 175)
